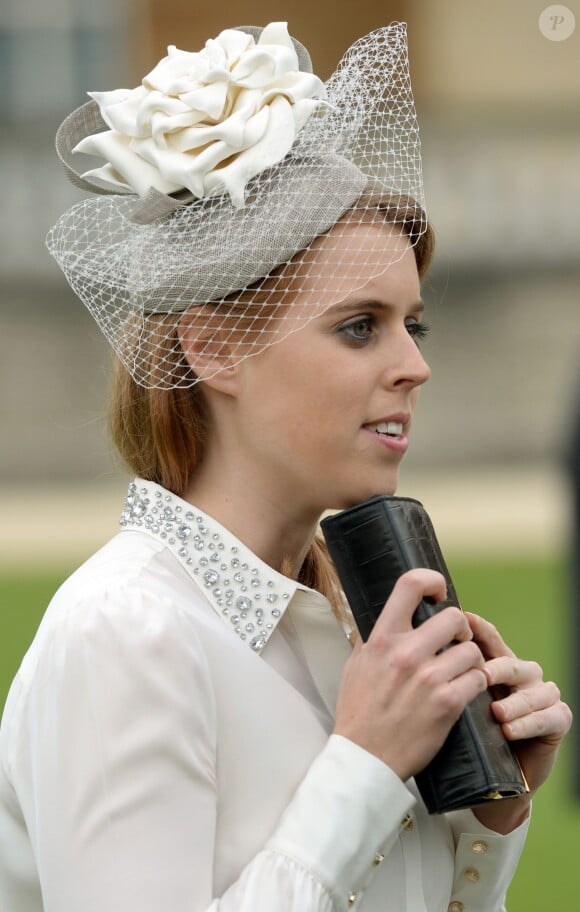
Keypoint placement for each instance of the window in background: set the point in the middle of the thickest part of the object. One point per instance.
(52, 51)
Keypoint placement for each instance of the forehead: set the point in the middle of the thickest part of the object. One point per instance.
(346, 258)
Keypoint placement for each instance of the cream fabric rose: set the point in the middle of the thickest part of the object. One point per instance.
(208, 121)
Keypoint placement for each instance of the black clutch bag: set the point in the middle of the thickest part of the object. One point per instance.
(371, 545)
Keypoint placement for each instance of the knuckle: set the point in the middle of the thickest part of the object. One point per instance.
(409, 580)
(525, 700)
(404, 659)
(478, 681)
(461, 624)
(553, 691)
(536, 670)
(539, 723)
(451, 702)
(415, 581)
(453, 619)
(408, 586)
(378, 642)
(475, 654)
(482, 680)
(428, 676)
(455, 614)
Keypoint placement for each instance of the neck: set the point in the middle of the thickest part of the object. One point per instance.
(277, 528)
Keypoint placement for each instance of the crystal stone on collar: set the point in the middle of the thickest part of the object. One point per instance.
(244, 595)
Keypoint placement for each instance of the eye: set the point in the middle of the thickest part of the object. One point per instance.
(359, 330)
(418, 330)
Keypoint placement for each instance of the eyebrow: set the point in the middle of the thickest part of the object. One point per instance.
(372, 304)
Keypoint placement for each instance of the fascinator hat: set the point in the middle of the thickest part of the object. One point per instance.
(221, 170)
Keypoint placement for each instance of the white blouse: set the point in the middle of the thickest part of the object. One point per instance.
(166, 746)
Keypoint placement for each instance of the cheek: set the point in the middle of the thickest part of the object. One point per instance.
(337, 398)
(277, 407)
(309, 395)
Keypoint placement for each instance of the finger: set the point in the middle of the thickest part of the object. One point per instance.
(469, 685)
(408, 592)
(462, 657)
(488, 637)
(525, 701)
(512, 671)
(442, 629)
(550, 724)
(453, 695)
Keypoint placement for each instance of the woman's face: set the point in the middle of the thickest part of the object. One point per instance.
(323, 417)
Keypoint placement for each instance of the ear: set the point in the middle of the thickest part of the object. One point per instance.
(208, 349)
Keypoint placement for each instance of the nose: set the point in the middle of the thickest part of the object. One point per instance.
(407, 368)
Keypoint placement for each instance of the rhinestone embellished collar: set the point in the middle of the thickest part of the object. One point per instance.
(247, 594)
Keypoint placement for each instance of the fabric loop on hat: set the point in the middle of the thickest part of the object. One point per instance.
(156, 205)
(84, 121)
(81, 122)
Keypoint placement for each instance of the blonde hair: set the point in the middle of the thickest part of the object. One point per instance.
(161, 434)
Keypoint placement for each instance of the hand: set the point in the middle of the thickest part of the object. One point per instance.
(531, 714)
(399, 694)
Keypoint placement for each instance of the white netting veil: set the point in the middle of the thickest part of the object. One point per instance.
(229, 174)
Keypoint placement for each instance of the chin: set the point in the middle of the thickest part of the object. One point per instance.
(352, 497)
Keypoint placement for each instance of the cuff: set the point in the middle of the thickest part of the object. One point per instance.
(485, 862)
(343, 819)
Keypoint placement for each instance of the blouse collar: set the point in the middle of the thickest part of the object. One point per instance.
(245, 592)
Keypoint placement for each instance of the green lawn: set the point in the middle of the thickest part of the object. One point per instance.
(528, 602)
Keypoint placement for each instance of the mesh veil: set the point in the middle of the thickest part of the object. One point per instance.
(244, 278)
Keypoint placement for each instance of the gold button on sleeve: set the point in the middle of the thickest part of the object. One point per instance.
(479, 846)
(379, 857)
(455, 907)
(352, 899)
(407, 823)
(471, 875)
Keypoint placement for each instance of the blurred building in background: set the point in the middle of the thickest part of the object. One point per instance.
(499, 108)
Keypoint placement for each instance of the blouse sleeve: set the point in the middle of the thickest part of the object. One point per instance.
(485, 862)
(114, 767)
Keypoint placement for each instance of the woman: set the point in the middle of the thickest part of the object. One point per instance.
(191, 728)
